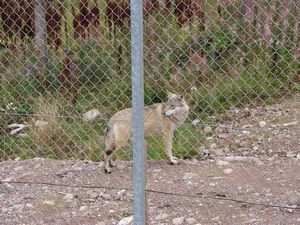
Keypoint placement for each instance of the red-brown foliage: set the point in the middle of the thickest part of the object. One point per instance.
(93, 18)
(53, 21)
(117, 12)
(28, 18)
(10, 17)
(80, 21)
(69, 77)
(85, 19)
(167, 7)
(183, 11)
(186, 10)
(199, 61)
(151, 6)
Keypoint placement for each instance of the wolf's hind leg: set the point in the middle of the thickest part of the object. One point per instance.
(107, 158)
(112, 162)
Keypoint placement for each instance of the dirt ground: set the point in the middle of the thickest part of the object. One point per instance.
(256, 158)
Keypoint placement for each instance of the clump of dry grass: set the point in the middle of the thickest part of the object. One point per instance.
(48, 134)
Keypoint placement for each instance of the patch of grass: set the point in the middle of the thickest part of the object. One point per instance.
(13, 147)
(241, 90)
(49, 136)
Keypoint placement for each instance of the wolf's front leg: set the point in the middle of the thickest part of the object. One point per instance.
(168, 138)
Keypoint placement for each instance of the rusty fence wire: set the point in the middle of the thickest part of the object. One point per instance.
(221, 82)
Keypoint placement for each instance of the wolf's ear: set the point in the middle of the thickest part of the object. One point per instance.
(171, 95)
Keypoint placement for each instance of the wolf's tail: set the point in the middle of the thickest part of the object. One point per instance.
(109, 132)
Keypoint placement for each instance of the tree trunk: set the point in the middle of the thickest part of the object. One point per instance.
(40, 41)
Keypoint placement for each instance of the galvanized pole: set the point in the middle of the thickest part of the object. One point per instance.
(137, 62)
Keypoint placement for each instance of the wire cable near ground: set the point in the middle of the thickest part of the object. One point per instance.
(155, 192)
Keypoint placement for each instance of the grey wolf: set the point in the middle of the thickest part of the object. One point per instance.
(160, 119)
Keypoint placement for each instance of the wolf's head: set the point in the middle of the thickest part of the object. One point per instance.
(176, 100)
(176, 108)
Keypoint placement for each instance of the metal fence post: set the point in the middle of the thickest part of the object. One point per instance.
(138, 111)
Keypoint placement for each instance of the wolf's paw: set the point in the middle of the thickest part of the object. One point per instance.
(174, 161)
(112, 163)
(107, 169)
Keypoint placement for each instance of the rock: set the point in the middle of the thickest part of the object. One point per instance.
(93, 195)
(244, 153)
(178, 221)
(243, 144)
(111, 211)
(227, 171)
(18, 168)
(210, 138)
(68, 197)
(211, 184)
(41, 124)
(126, 220)
(121, 165)
(38, 159)
(90, 115)
(207, 129)
(290, 154)
(195, 122)
(188, 176)
(222, 136)
(6, 188)
(190, 221)
(298, 156)
(49, 202)
(162, 216)
(290, 124)
(17, 127)
(83, 208)
(28, 205)
(70, 174)
(18, 207)
(190, 183)
(245, 132)
(222, 163)
(247, 126)
(262, 123)
(120, 195)
(219, 152)
(63, 172)
(292, 209)
(258, 162)
(212, 146)
(23, 135)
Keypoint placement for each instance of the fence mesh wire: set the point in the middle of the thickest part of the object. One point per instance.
(65, 70)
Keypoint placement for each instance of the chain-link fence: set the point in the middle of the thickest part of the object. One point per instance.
(221, 80)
